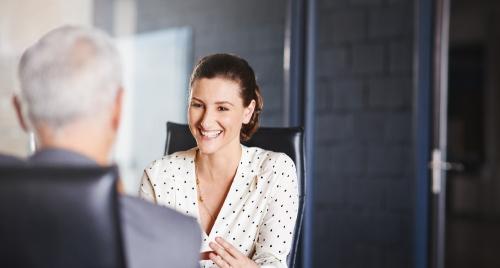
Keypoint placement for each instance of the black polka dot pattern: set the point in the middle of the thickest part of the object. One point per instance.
(259, 213)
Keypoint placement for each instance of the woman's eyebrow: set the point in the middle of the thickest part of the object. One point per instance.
(217, 102)
(224, 102)
(196, 99)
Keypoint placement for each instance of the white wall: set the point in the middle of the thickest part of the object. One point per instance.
(22, 22)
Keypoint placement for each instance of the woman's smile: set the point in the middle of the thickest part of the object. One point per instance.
(210, 134)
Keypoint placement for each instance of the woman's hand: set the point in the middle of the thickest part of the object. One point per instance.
(226, 255)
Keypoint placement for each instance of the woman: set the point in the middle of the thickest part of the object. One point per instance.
(245, 198)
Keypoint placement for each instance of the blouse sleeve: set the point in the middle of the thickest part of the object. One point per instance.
(146, 191)
(276, 233)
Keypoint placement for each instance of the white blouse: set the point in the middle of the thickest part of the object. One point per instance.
(258, 214)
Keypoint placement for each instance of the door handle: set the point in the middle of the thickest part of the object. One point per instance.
(454, 166)
(437, 166)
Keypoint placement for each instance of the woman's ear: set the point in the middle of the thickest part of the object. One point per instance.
(248, 112)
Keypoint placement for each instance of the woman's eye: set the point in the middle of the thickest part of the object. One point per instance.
(222, 109)
(196, 105)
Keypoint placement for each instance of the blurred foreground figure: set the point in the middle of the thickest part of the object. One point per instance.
(71, 98)
(9, 160)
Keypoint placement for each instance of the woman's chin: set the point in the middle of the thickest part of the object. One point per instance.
(208, 146)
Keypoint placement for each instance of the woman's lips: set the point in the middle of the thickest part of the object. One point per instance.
(211, 134)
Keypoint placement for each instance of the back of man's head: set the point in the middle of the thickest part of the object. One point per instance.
(71, 73)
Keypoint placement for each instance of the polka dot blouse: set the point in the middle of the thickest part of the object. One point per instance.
(258, 214)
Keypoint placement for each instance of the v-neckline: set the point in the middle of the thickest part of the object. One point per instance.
(224, 203)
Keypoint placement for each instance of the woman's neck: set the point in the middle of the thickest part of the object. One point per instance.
(220, 166)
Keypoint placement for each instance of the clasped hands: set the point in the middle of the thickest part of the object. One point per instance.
(225, 255)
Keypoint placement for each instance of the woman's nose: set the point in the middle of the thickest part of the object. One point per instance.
(207, 119)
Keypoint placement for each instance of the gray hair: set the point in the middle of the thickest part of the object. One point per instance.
(70, 73)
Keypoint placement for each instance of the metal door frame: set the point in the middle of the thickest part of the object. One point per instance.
(439, 137)
(431, 85)
(421, 128)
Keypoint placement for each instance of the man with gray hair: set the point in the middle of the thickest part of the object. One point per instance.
(71, 97)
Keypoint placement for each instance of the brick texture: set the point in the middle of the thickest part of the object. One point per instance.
(363, 173)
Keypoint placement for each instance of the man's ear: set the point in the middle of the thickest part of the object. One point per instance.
(19, 112)
(117, 109)
(248, 112)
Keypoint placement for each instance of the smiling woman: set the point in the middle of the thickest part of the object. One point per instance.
(244, 198)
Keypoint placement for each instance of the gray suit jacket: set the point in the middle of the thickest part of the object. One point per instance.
(154, 236)
(10, 160)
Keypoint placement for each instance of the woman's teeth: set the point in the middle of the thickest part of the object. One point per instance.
(211, 133)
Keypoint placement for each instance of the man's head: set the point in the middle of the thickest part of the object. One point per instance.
(71, 90)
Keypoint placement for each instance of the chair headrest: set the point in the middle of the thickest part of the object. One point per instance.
(59, 217)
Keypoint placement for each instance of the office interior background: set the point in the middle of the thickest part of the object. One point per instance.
(371, 202)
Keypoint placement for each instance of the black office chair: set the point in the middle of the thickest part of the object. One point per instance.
(287, 140)
(59, 217)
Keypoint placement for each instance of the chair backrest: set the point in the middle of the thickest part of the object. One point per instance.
(286, 140)
(59, 217)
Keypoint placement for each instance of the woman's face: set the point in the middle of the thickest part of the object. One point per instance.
(216, 114)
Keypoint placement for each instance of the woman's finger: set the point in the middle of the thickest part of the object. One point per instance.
(204, 255)
(222, 253)
(218, 260)
(228, 247)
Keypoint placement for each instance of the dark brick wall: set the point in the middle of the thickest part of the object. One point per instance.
(363, 177)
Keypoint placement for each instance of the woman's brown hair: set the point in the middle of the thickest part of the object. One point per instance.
(238, 70)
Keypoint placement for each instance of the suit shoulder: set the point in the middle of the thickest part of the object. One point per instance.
(149, 229)
(135, 210)
(10, 160)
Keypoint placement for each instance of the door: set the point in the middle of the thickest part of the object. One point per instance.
(465, 185)
(473, 195)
